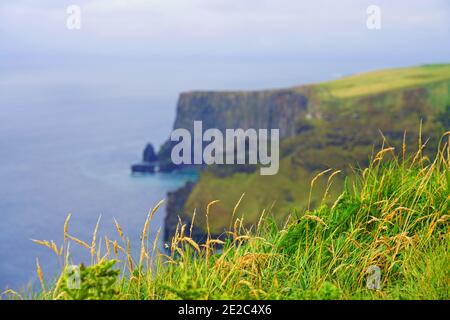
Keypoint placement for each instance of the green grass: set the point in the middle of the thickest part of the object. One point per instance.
(386, 80)
(394, 215)
(285, 192)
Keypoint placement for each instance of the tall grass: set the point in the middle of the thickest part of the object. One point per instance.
(393, 215)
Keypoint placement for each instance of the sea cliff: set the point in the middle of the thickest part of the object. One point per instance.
(327, 125)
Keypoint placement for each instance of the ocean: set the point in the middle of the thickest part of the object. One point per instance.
(57, 160)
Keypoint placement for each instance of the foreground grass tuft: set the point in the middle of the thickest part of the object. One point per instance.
(394, 216)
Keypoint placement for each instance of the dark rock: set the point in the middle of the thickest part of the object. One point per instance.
(143, 168)
(149, 154)
(149, 162)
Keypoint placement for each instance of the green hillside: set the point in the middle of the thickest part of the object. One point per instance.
(386, 80)
(345, 119)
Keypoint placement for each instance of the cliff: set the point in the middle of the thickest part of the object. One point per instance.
(328, 125)
(224, 110)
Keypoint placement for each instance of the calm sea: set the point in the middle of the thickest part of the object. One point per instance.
(57, 160)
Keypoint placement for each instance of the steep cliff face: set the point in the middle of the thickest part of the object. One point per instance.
(269, 109)
(330, 125)
(263, 109)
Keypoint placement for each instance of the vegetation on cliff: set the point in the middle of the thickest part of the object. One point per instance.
(329, 125)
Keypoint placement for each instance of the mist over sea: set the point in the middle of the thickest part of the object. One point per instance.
(70, 127)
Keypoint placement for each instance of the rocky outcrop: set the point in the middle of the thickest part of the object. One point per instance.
(149, 162)
(149, 154)
(143, 168)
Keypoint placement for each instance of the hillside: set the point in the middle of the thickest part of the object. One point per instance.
(329, 125)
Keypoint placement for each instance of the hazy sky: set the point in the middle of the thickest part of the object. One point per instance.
(157, 48)
(227, 28)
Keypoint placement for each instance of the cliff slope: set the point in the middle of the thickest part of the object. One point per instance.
(329, 125)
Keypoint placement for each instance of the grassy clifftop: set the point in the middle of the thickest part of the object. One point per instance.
(387, 80)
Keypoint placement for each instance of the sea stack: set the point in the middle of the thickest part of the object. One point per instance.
(149, 162)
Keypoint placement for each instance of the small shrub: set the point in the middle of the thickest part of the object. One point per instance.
(97, 282)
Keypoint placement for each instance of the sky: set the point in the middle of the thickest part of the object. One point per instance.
(230, 28)
(154, 49)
